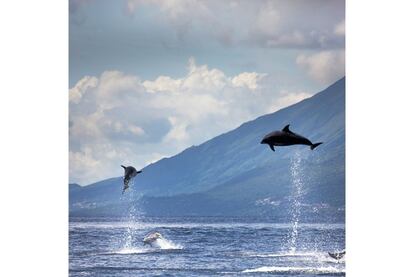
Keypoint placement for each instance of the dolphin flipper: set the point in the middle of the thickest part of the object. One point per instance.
(272, 147)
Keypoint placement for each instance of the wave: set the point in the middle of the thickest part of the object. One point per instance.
(303, 256)
(130, 251)
(296, 270)
(159, 245)
(288, 254)
(147, 225)
(165, 244)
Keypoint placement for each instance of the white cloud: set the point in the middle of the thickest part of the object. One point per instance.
(267, 23)
(287, 98)
(162, 83)
(83, 164)
(178, 131)
(246, 79)
(136, 130)
(268, 19)
(118, 118)
(340, 29)
(76, 93)
(324, 67)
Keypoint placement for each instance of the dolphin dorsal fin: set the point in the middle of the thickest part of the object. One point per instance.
(286, 129)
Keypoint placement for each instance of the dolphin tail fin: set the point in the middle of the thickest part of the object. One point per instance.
(313, 146)
(123, 166)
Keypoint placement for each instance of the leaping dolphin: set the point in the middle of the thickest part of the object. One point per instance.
(337, 255)
(130, 172)
(285, 138)
(151, 238)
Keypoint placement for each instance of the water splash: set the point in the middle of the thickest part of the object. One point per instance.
(163, 243)
(132, 224)
(296, 198)
(128, 196)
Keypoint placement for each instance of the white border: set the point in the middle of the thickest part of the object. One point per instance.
(379, 129)
(34, 138)
(33, 147)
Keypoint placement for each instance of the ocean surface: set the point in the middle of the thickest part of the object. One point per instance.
(206, 246)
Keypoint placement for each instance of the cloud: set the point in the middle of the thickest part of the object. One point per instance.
(118, 118)
(287, 98)
(76, 14)
(324, 67)
(249, 80)
(265, 23)
(74, 5)
(76, 93)
(340, 29)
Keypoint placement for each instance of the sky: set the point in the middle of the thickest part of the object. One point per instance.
(149, 78)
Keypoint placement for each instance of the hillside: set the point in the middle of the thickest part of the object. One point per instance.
(233, 174)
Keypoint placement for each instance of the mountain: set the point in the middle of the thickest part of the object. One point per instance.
(74, 187)
(233, 174)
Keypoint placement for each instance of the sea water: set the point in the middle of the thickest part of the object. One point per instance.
(207, 246)
(203, 246)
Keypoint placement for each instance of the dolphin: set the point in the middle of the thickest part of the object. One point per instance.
(285, 138)
(130, 172)
(151, 238)
(337, 255)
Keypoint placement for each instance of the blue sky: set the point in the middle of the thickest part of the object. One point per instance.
(149, 78)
